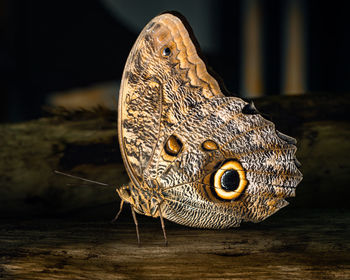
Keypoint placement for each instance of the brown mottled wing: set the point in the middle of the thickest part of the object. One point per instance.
(164, 78)
(267, 158)
(177, 132)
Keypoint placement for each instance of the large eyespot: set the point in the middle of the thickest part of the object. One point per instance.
(166, 51)
(229, 181)
(173, 146)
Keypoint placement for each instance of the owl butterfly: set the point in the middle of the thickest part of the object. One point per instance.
(194, 156)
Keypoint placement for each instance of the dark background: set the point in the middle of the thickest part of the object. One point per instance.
(49, 46)
(53, 226)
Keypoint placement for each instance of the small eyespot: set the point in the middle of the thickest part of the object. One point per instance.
(173, 146)
(229, 181)
(166, 51)
(209, 145)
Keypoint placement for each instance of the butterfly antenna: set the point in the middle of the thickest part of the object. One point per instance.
(81, 178)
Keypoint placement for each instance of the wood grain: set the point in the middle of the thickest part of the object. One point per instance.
(303, 245)
(309, 239)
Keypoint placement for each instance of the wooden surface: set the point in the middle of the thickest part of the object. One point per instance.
(299, 242)
(294, 244)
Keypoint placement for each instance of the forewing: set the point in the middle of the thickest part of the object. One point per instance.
(164, 78)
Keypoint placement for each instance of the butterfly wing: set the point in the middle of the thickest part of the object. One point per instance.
(221, 141)
(163, 79)
(215, 161)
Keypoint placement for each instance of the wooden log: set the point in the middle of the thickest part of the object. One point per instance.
(85, 144)
(300, 242)
(302, 245)
(81, 143)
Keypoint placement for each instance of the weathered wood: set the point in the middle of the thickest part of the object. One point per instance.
(82, 143)
(300, 245)
(299, 242)
(85, 144)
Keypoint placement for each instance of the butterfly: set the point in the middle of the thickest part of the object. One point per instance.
(193, 155)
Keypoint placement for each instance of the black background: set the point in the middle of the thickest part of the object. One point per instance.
(57, 45)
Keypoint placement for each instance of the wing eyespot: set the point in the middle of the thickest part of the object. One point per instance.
(173, 146)
(228, 182)
(209, 145)
(166, 51)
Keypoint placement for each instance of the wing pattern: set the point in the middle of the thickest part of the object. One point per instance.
(169, 107)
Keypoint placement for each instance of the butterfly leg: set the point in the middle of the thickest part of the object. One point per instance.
(120, 210)
(163, 225)
(136, 225)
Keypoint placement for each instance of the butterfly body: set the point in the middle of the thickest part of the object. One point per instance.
(194, 156)
(144, 201)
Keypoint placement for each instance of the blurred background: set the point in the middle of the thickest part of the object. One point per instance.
(72, 53)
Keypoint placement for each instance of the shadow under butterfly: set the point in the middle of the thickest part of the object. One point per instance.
(193, 155)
